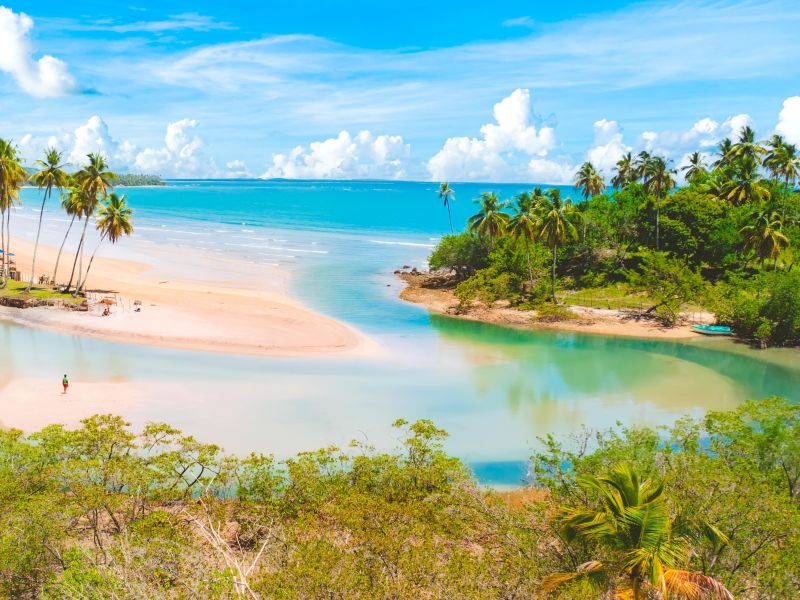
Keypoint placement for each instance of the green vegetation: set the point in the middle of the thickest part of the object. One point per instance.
(726, 241)
(704, 510)
(84, 195)
(19, 290)
(134, 179)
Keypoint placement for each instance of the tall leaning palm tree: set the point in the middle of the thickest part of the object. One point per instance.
(50, 176)
(626, 173)
(114, 220)
(642, 553)
(72, 203)
(522, 225)
(94, 180)
(554, 227)
(447, 195)
(589, 181)
(491, 220)
(658, 181)
(695, 167)
(12, 177)
(764, 236)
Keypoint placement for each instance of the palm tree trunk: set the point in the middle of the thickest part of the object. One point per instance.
(555, 254)
(58, 258)
(5, 252)
(82, 284)
(530, 271)
(785, 198)
(78, 253)
(7, 247)
(36, 244)
(658, 222)
(450, 218)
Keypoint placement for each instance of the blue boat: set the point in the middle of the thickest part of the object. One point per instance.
(712, 329)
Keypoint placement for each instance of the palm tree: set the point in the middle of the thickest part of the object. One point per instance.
(764, 236)
(747, 146)
(725, 151)
(744, 184)
(588, 180)
(695, 168)
(50, 175)
(72, 203)
(522, 225)
(640, 165)
(658, 181)
(625, 172)
(783, 163)
(447, 195)
(12, 177)
(643, 554)
(114, 219)
(94, 181)
(490, 220)
(554, 227)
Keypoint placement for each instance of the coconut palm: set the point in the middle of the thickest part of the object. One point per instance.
(490, 221)
(72, 203)
(658, 181)
(94, 180)
(447, 195)
(747, 146)
(744, 184)
(554, 227)
(725, 151)
(625, 172)
(50, 175)
(114, 219)
(522, 225)
(695, 167)
(640, 165)
(643, 555)
(12, 177)
(764, 236)
(588, 180)
(783, 163)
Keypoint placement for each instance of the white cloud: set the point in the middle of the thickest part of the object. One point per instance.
(704, 135)
(182, 155)
(542, 170)
(789, 120)
(344, 157)
(608, 146)
(528, 22)
(43, 78)
(504, 144)
(237, 169)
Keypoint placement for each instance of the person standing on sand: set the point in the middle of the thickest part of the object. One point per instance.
(65, 383)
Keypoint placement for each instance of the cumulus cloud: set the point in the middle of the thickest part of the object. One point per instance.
(704, 135)
(364, 156)
(608, 146)
(503, 145)
(181, 156)
(789, 120)
(44, 78)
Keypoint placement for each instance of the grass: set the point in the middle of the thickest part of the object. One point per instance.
(16, 289)
(612, 297)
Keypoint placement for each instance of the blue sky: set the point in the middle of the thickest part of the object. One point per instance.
(498, 91)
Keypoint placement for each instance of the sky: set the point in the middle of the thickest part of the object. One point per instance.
(498, 91)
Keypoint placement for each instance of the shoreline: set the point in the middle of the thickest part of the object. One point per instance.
(244, 310)
(442, 301)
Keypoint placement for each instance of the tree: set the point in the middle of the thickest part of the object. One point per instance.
(554, 227)
(522, 225)
(50, 175)
(783, 163)
(763, 235)
(725, 151)
(640, 165)
(744, 185)
(114, 219)
(747, 147)
(12, 176)
(490, 221)
(642, 551)
(72, 203)
(588, 180)
(669, 282)
(94, 180)
(464, 253)
(447, 195)
(626, 173)
(658, 181)
(695, 168)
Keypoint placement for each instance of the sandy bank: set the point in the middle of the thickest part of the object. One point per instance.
(589, 320)
(191, 301)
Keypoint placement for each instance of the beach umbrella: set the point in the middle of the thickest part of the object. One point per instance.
(109, 301)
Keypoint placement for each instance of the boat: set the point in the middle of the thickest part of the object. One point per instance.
(712, 329)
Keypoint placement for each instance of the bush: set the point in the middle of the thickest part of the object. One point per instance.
(464, 253)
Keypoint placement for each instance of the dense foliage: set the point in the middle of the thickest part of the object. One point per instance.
(726, 240)
(101, 512)
(136, 179)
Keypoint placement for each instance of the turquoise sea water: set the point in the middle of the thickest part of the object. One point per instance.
(495, 390)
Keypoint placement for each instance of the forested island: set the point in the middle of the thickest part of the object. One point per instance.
(725, 243)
